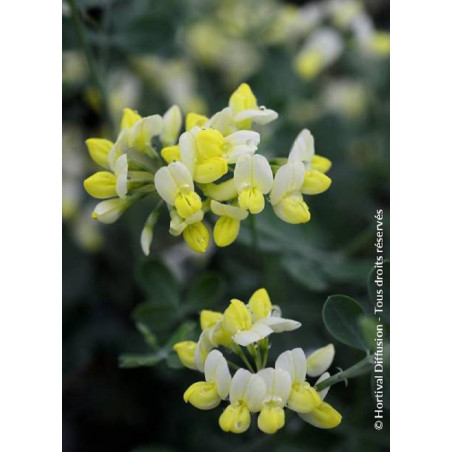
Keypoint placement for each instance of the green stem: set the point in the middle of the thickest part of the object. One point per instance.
(243, 357)
(361, 367)
(263, 348)
(93, 69)
(233, 365)
(255, 353)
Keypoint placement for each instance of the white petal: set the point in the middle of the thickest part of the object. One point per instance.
(172, 122)
(203, 348)
(261, 116)
(302, 148)
(150, 126)
(323, 392)
(279, 384)
(249, 388)
(257, 332)
(165, 185)
(262, 174)
(278, 324)
(187, 149)
(147, 234)
(181, 175)
(121, 170)
(294, 362)
(248, 137)
(238, 151)
(216, 370)
(243, 172)
(288, 178)
(178, 224)
(110, 210)
(222, 121)
(320, 360)
(228, 211)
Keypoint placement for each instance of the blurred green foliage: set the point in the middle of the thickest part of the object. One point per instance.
(144, 56)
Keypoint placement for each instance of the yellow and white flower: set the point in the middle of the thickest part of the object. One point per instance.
(208, 394)
(193, 230)
(278, 384)
(285, 196)
(245, 109)
(315, 181)
(174, 184)
(324, 416)
(109, 211)
(253, 178)
(321, 50)
(303, 397)
(227, 227)
(207, 153)
(255, 322)
(246, 396)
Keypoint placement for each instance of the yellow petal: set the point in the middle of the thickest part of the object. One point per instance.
(186, 353)
(187, 204)
(129, 118)
(252, 199)
(309, 64)
(260, 304)
(99, 149)
(226, 231)
(197, 237)
(210, 170)
(202, 395)
(171, 153)
(235, 419)
(303, 398)
(194, 119)
(208, 319)
(320, 163)
(243, 98)
(225, 191)
(315, 183)
(237, 317)
(101, 185)
(210, 143)
(325, 416)
(271, 419)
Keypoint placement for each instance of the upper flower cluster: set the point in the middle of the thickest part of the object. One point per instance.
(211, 167)
(257, 389)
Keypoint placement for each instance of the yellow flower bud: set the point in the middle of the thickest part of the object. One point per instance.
(292, 209)
(226, 230)
(129, 118)
(101, 185)
(208, 319)
(187, 204)
(260, 304)
(243, 99)
(99, 149)
(219, 335)
(202, 395)
(171, 153)
(197, 237)
(303, 398)
(186, 353)
(195, 119)
(309, 64)
(235, 419)
(320, 163)
(237, 317)
(271, 419)
(325, 416)
(315, 183)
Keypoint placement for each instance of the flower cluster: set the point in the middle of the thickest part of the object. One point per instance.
(243, 331)
(211, 167)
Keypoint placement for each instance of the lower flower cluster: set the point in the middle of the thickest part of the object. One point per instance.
(243, 331)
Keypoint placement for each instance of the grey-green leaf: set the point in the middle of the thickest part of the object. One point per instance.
(341, 317)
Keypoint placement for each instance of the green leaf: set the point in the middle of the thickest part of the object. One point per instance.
(158, 283)
(141, 360)
(149, 337)
(368, 327)
(341, 317)
(156, 318)
(205, 292)
(307, 273)
(378, 287)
